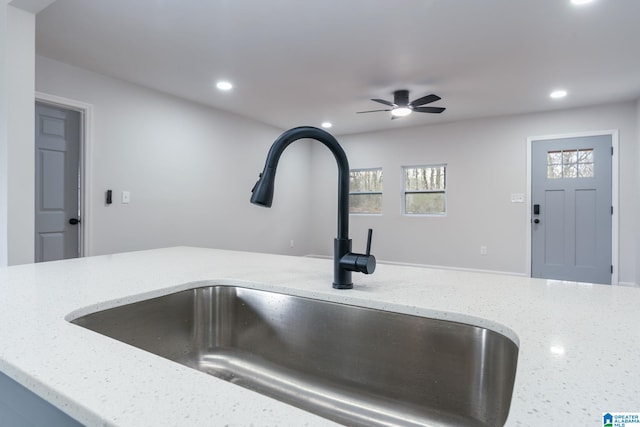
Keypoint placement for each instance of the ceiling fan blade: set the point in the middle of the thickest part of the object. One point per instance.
(382, 101)
(425, 100)
(371, 111)
(435, 110)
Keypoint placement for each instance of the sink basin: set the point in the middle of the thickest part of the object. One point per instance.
(356, 366)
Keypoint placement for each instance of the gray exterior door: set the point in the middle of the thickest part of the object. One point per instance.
(571, 209)
(57, 183)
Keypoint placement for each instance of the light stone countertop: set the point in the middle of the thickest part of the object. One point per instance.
(579, 343)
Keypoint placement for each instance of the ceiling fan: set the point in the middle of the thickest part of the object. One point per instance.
(401, 106)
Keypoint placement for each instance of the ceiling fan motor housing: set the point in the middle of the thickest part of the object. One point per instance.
(401, 98)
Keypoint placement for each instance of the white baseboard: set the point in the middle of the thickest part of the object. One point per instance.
(629, 284)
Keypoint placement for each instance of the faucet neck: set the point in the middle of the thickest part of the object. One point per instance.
(307, 132)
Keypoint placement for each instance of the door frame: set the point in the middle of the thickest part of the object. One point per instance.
(86, 140)
(614, 194)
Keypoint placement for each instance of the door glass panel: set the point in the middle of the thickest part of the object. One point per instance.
(570, 164)
(570, 171)
(586, 156)
(585, 170)
(554, 158)
(570, 157)
(554, 171)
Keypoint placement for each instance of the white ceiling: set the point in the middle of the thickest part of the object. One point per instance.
(302, 62)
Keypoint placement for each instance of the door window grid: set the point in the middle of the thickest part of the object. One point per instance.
(365, 191)
(577, 163)
(425, 190)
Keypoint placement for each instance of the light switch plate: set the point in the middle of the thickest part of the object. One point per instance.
(517, 198)
(126, 197)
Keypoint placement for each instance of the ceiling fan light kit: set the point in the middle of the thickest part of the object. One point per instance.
(401, 107)
(401, 111)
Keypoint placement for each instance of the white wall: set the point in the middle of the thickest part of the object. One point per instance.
(637, 195)
(3, 136)
(189, 169)
(486, 162)
(17, 150)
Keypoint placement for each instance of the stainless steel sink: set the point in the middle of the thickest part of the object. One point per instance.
(353, 365)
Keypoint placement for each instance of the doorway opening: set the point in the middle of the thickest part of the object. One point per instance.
(62, 190)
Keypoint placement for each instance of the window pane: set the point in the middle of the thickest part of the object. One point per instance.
(585, 163)
(365, 203)
(425, 203)
(585, 170)
(570, 156)
(554, 171)
(424, 178)
(570, 171)
(363, 180)
(554, 157)
(585, 156)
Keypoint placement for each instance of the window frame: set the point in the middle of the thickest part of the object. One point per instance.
(405, 191)
(355, 193)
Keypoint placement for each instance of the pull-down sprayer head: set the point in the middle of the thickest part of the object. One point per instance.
(263, 190)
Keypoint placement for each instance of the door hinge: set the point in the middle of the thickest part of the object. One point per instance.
(612, 151)
(611, 210)
(612, 269)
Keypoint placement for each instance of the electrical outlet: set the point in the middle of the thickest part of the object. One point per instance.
(483, 250)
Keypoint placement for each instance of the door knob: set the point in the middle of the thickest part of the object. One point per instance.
(74, 221)
(536, 221)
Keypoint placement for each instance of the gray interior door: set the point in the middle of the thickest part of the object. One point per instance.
(57, 183)
(571, 204)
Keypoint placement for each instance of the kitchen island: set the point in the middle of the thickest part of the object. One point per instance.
(578, 358)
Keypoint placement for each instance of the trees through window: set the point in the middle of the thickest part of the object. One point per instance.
(425, 191)
(365, 191)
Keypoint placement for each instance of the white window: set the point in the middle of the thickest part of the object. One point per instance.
(425, 190)
(365, 191)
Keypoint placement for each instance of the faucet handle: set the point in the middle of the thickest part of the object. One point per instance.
(363, 263)
(366, 263)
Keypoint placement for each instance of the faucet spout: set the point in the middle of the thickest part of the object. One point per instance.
(344, 260)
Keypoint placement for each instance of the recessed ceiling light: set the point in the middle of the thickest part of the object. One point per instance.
(556, 94)
(224, 85)
(401, 111)
(326, 125)
(580, 2)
